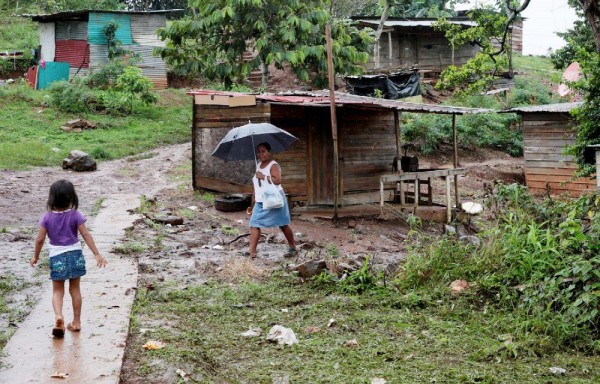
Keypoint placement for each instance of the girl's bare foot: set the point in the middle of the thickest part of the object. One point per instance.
(73, 328)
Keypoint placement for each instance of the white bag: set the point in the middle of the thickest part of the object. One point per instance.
(272, 198)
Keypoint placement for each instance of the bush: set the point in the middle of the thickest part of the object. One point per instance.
(540, 260)
(73, 97)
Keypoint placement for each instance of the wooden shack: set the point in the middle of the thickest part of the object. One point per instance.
(547, 130)
(369, 138)
(76, 38)
(415, 43)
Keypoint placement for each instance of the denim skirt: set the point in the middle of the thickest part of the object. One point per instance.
(270, 218)
(68, 265)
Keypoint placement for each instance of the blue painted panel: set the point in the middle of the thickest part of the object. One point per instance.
(51, 72)
(97, 21)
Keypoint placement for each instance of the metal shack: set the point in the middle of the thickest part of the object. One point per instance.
(369, 137)
(408, 43)
(76, 38)
(547, 130)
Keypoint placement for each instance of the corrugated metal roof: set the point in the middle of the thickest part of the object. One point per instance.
(321, 99)
(83, 14)
(71, 30)
(97, 21)
(143, 29)
(417, 23)
(74, 52)
(560, 108)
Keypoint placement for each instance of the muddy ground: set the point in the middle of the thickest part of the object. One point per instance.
(209, 241)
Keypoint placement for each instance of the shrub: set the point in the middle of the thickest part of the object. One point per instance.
(538, 259)
(73, 97)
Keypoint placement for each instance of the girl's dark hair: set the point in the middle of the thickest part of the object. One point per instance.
(62, 196)
(266, 145)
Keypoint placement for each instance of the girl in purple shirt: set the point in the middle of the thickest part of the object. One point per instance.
(61, 224)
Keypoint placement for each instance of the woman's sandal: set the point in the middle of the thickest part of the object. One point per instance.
(59, 328)
(250, 255)
(292, 252)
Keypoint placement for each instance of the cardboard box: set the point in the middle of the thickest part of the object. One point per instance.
(228, 100)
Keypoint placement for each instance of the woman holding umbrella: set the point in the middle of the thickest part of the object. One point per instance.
(268, 173)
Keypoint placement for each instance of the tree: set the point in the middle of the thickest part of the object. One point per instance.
(577, 38)
(214, 40)
(490, 34)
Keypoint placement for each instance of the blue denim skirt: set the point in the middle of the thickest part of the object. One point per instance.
(269, 218)
(68, 265)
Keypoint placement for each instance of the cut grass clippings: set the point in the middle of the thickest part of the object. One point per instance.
(400, 338)
(30, 133)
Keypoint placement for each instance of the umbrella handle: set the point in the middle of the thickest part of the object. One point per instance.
(253, 151)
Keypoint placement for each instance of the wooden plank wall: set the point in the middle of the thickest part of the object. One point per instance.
(211, 124)
(367, 148)
(425, 50)
(293, 162)
(544, 137)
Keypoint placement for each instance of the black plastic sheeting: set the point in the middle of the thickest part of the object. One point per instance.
(393, 86)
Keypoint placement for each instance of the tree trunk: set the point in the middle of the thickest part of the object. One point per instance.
(591, 13)
(264, 69)
(384, 16)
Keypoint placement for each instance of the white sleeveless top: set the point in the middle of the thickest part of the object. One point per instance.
(260, 189)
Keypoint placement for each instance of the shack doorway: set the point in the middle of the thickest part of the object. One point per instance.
(321, 158)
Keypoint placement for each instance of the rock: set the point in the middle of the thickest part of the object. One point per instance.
(311, 268)
(168, 219)
(352, 224)
(557, 371)
(79, 123)
(307, 246)
(470, 239)
(352, 343)
(457, 286)
(342, 268)
(310, 330)
(450, 230)
(79, 161)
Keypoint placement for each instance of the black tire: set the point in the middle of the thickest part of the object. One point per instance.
(232, 203)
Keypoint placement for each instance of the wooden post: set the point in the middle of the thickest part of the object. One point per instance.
(336, 170)
(596, 147)
(194, 149)
(398, 131)
(455, 143)
(390, 51)
(448, 201)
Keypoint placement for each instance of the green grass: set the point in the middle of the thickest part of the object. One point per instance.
(17, 33)
(30, 134)
(400, 338)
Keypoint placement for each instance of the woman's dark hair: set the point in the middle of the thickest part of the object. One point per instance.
(266, 145)
(62, 196)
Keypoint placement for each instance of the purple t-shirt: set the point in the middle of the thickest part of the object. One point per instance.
(62, 226)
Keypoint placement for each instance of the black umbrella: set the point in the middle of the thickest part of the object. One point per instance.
(240, 143)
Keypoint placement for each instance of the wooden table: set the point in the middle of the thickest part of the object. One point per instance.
(416, 177)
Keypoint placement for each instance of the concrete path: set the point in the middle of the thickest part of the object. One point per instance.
(95, 354)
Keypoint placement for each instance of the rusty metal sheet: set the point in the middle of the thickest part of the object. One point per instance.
(321, 99)
(74, 52)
